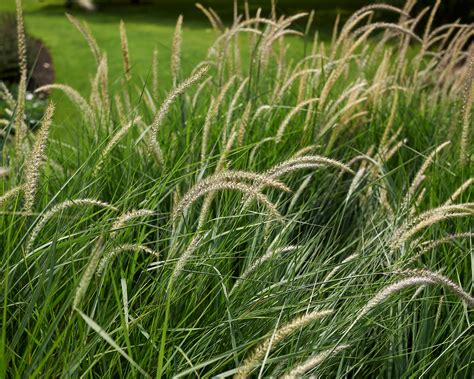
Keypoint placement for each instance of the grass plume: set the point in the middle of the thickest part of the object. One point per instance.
(414, 278)
(109, 256)
(176, 50)
(59, 208)
(125, 53)
(164, 108)
(278, 335)
(36, 159)
(313, 362)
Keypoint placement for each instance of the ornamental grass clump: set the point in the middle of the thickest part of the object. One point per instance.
(137, 229)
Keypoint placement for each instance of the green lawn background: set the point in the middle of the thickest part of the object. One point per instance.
(148, 26)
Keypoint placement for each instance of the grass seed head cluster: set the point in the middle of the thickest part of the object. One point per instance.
(139, 249)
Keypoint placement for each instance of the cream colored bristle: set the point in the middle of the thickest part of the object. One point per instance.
(193, 195)
(279, 334)
(36, 159)
(126, 217)
(108, 257)
(415, 278)
(165, 106)
(20, 32)
(113, 142)
(10, 194)
(176, 50)
(74, 96)
(462, 188)
(313, 362)
(183, 259)
(86, 33)
(125, 53)
(57, 209)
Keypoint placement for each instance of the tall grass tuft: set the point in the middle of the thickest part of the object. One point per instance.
(357, 144)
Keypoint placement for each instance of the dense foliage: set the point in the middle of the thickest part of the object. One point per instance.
(284, 215)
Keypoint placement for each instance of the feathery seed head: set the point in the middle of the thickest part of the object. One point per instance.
(387, 25)
(86, 33)
(414, 278)
(20, 127)
(125, 53)
(210, 17)
(20, 32)
(459, 191)
(4, 171)
(243, 124)
(10, 194)
(235, 100)
(279, 334)
(431, 244)
(176, 50)
(113, 142)
(468, 99)
(312, 362)
(165, 106)
(220, 185)
(443, 281)
(74, 96)
(122, 249)
(373, 7)
(126, 217)
(183, 259)
(36, 159)
(428, 218)
(295, 163)
(88, 5)
(88, 273)
(154, 73)
(6, 96)
(60, 207)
